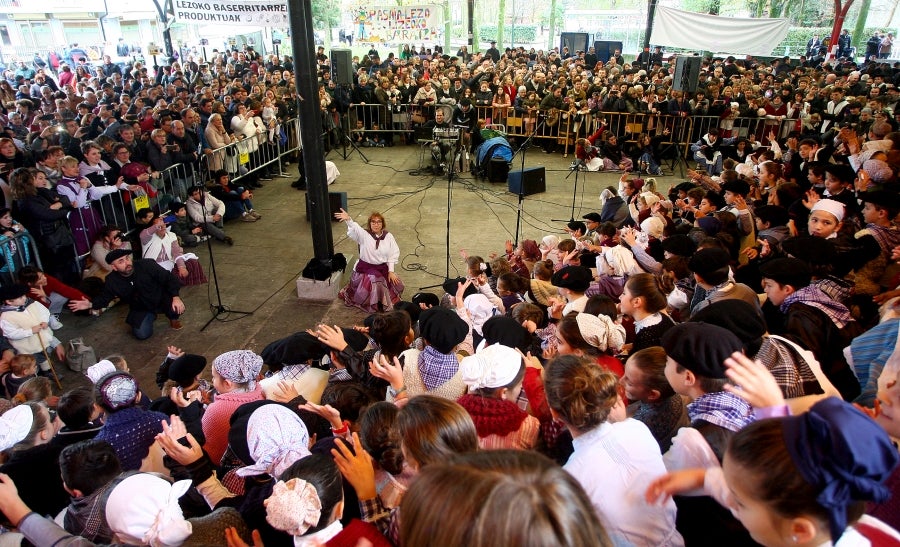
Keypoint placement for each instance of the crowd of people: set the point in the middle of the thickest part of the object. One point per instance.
(677, 369)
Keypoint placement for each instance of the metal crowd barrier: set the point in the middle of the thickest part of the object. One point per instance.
(250, 156)
(15, 252)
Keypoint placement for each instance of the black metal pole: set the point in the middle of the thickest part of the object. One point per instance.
(651, 12)
(305, 78)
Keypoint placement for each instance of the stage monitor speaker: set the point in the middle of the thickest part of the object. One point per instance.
(687, 74)
(342, 66)
(604, 49)
(575, 41)
(336, 202)
(530, 181)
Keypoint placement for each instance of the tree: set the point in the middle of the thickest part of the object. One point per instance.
(326, 16)
(860, 28)
(840, 14)
(551, 39)
(501, 22)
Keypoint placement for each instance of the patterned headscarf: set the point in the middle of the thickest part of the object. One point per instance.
(276, 438)
(239, 366)
(116, 390)
(294, 507)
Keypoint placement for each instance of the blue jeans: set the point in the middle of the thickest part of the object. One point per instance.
(145, 329)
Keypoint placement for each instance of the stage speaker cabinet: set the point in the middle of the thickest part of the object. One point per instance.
(604, 49)
(342, 66)
(687, 74)
(575, 41)
(530, 181)
(336, 202)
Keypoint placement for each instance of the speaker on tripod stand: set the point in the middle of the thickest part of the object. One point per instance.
(687, 74)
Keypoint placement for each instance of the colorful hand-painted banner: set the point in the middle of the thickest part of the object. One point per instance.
(397, 25)
(257, 13)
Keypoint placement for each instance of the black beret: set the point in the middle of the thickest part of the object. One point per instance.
(787, 271)
(593, 217)
(184, 369)
(576, 226)
(116, 254)
(736, 316)
(775, 215)
(442, 328)
(882, 198)
(707, 261)
(296, 349)
(701, 348)
(451, 285)
(427, 298)
(739, 186)
(574, 278)
(176, 206)
(680, 245)
(506, 331)
(355, 339)
(810, 249)
(11, 292)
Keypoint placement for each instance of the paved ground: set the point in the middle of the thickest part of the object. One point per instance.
(259, 272)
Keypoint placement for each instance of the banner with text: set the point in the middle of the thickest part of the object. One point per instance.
(398, 25)
(233, 12)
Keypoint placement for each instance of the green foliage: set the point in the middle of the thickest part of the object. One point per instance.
(797, 37)
(326, 13)
(523, 33)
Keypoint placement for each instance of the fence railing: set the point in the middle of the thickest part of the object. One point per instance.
(566, 126)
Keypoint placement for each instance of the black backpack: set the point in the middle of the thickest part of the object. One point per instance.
(321, 270)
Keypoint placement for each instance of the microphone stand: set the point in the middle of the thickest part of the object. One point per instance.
(455, 152)
(576, 167)
(217, 309)
(523, 149)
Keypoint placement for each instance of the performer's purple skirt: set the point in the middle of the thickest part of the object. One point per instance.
(371, 292)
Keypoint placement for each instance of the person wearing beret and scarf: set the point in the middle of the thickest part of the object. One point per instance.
(494, 378)
(234, 377)
(373, 284)
(572, 282)
(809, 317)
(695, 368)
(147, 288)
(795, 369)
(435, 369)
(129, 428)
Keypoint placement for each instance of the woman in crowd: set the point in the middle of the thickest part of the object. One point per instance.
(373, 285)
(44, 213)
(218, 137)
(86, 222)
(161, 245)
(614, 457)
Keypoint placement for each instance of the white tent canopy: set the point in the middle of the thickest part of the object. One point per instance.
(699, 31)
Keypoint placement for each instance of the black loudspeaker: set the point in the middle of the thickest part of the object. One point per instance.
(575, 41)
(336, 202)
(529, 181)
(604, 49)
(687, 74)
(342, 66)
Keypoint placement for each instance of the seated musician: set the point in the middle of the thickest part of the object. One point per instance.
(439, 148)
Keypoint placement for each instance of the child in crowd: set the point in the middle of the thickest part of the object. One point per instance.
(26, 326)
(23, 367)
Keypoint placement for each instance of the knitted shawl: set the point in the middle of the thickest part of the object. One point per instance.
(493, 416)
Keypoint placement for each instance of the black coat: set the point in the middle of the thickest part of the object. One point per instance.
(150, 288)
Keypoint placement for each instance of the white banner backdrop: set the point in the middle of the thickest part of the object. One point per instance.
(398, 25)
(233, 12)
(684, 29)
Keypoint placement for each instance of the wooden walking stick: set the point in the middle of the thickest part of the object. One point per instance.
(49, 361)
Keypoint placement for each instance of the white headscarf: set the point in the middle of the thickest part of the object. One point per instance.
(99, 370)
(832, 206)
(143, 510)
(480, 310)
(15, 424)
(492, 367)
